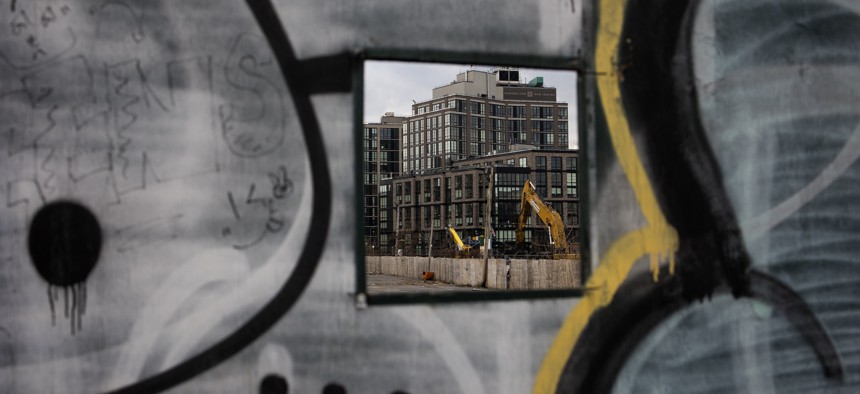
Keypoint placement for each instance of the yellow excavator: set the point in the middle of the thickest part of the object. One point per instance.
(557, 237)
(463, 250)
(460, 245)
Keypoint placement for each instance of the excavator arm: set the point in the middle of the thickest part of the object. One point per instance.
(460, 245)
(531, 201)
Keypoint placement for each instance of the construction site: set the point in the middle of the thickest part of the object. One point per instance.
(475, 260)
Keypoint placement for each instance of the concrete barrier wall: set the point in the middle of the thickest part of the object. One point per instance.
(524, 274)
(496, 275)
(564, 273)
(519, 275)
(372, 264)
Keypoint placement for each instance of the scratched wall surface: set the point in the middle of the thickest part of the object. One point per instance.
(180, 140)
(172, 124)
(177, 200)
(777, 93)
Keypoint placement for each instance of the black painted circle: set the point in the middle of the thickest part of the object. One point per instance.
(65, 240)
(274, 384)
(333, 388)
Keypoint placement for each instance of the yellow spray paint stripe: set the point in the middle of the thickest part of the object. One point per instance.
(604, 280)
(658, 238)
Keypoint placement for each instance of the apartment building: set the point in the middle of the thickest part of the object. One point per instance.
(482, 123)
(419, 208)
(479, 113)
(381, 149)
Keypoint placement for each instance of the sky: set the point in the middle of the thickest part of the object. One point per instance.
(391, 86)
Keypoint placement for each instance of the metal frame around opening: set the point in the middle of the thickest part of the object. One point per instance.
(362, 298)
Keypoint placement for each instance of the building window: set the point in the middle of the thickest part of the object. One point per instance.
(570, 164)
(468, 186)
(541, 125)
(573, 213)
(571, 184)
(555, 163)
(477, 122)
(540, 162)
(478, 135)
(541, 112)
(540, 183)
(517, 111)
(426, 190)
(469, 215)
(546, 138)
(556, 184)
(457, 105)
(498, 137)
(399, 193)
(517, 138)
(455, 120)
(407, 213)
(497, 124)
(516, 125)
(477, 108)
(425, 217)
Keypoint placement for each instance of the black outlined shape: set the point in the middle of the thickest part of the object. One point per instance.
(660, 101)
(293, 288)
(614, 332)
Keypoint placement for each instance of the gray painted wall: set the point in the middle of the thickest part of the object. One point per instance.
(172, 123)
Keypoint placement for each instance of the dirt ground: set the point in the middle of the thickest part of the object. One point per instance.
(387, 284)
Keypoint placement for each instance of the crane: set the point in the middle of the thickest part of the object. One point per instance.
(531, 201)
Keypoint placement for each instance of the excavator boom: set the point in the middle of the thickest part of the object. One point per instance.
(531, 201)
(460, 245)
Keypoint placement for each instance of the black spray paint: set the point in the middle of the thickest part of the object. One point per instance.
(64, 242)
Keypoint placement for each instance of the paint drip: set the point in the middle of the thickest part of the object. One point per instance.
(74, 304)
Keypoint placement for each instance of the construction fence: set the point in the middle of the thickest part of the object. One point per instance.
(514, 274)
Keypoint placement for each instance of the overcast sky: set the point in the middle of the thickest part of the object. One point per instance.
(392, 86)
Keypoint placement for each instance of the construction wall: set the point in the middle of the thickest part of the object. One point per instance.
(524, 274)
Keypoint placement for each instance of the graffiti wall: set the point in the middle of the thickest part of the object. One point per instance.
(178, 199)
